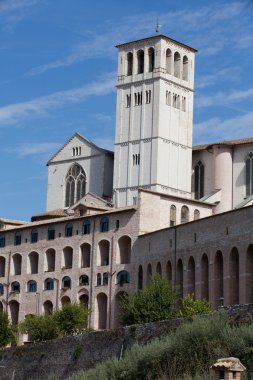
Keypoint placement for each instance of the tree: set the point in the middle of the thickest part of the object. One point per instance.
(41, 327)
(6, 334)
(72, 318)
(155, 302)
(191, 307)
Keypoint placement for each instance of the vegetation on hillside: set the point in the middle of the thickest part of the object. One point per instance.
(184, 354)
(157, 302)
(72, 318)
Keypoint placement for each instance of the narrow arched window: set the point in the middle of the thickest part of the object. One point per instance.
(2, 241)
(249, 175)
(32, 286)
(140, 61)
(84, 280)
(1, 289)
(151, 59)
(184, 214)
(49, 284)
(86, 227)
(99, 279)
(196, 214)
(199, 172)
(123, 277)
(34, 236)
(106, 278)
(185, 67)
(15, 287)
(66, 282)
(168, 61)
(75, 185)
(177, 63)
(51, 233)
(69, 230)
(104, 224)
(173, 215)
(129, 63)
(17, 239)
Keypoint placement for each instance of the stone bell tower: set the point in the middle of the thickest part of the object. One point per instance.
(154, 118)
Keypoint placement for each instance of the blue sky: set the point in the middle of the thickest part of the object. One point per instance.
(58, 70)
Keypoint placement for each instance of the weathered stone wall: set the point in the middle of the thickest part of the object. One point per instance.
(62, 357)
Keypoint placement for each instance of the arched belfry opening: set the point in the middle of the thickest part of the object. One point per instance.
(75, 185)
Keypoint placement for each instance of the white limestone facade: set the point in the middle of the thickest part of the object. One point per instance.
(154, 118)
(95, 173)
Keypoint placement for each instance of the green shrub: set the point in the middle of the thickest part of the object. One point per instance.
(191, 306)
(72, 318)
(155, 302)
(41, 327)
(6, 333)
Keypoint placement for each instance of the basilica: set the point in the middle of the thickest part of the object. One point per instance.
(155, 205)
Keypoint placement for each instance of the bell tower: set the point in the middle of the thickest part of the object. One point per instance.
(154, 118)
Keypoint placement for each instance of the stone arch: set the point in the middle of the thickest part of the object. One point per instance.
(16, 264)
(191, 276)
(84, 300)
(129, 70)
(169, 61)
(159, 268)
(184, 214)
(50, 260)
(2, 266)
(65, 300)
(180, 278)
(33, 263)
(124, 250)
(140, 61)
(218, 279)
(185, 67)
(204, 277)
(48, 307)
(14, 311)
(151, 59)
(249, 274)
(177, 64)
(149, 273)
(103, 253)
(67, 257)
(101, 311)
(140, 278)
(169, 271)
(234, 276)
(85, 255)
(117, 308)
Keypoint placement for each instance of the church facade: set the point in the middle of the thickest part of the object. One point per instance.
(158, 205)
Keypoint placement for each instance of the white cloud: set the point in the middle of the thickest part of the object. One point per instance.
(14, 11)
(216, 129)
(30, 149)
(231, 73)
(203, 27)
(15, 113)
(223, 98)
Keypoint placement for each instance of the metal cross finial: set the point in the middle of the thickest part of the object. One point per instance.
(158, 26)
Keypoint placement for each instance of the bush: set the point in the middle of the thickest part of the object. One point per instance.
(6, 333)
(41, 327)
(155, 302)
(191, 307)
(72, 318)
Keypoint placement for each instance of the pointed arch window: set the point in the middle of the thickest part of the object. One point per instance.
(249, 174)
(75, 185)
(151, 59)
(199, 172)
(184, 214)
(129, 63)
(173, 215)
